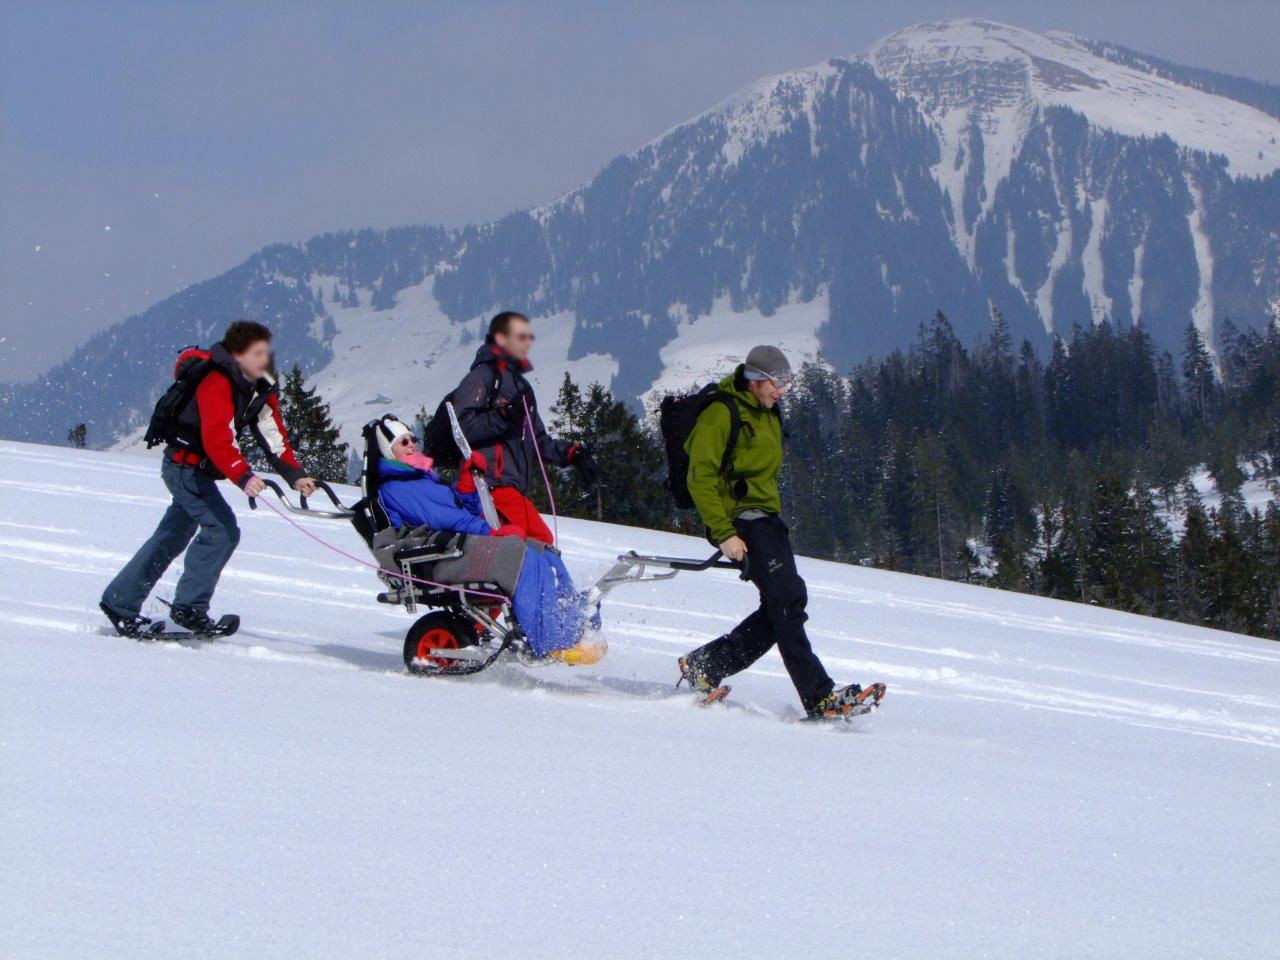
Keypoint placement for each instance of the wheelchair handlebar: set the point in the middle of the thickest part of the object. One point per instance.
(342, 513)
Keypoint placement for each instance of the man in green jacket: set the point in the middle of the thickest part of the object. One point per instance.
(740, 509)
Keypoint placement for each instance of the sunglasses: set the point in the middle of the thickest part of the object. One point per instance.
(781, 381)
(523, 337)
(409, 439)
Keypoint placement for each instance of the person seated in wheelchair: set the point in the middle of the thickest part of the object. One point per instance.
(551, 612)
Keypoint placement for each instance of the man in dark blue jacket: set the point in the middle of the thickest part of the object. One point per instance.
(499, 415)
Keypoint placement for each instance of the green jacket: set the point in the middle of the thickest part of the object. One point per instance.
(757, 461)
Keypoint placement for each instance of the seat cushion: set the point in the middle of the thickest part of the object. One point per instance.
(495, 560)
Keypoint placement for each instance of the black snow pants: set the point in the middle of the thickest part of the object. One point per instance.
(779, 619)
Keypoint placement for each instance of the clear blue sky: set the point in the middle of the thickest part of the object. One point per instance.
(200, 131)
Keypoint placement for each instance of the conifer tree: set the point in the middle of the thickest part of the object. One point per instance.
(630, 459)
(311, 430)
(1197, 372)
(1195, 557)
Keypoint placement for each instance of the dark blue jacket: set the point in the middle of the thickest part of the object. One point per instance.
(491, 405)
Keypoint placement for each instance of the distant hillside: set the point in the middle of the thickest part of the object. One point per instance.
(951, 166)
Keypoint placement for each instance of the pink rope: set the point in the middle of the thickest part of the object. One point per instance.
(555, 520)
(365, 563)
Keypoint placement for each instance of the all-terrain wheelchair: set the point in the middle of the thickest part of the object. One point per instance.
(465, 583)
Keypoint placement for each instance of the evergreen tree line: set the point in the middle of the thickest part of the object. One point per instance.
(1069, 478)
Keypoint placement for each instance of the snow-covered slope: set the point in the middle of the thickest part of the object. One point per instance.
(1044, 780)
(963, 70)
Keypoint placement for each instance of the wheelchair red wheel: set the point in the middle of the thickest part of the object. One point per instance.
(440, 630)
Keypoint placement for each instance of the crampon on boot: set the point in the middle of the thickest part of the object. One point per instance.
(132, 627)
(201, 624)
(847, 702)
(706, 692)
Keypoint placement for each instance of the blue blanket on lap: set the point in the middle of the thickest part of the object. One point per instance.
(550, 610)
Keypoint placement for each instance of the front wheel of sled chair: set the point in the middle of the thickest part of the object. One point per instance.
(438, 630)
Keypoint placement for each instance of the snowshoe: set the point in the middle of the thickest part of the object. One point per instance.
(847, 702)
(201, 625)
(705, 692)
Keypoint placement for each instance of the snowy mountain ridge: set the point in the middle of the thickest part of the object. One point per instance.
(974, 67)
(953, 166)
(1037, 784)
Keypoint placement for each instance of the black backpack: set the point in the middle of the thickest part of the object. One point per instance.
(677, 415)
(163, 427)
(437, 435)
(437, 439)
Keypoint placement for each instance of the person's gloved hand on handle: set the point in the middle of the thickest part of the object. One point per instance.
(585, 464)
(466, 476)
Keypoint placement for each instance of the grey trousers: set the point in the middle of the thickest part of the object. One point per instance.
(197, 506)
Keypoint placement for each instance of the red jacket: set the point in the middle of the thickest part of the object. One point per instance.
(226, 402)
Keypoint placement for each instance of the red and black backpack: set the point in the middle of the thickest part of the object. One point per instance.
(193, 365)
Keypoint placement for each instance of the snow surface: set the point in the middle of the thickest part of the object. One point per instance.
(1202, 312)
(1045, 779)
(1091, 262)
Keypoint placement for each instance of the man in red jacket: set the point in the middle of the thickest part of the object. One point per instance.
(235, 391)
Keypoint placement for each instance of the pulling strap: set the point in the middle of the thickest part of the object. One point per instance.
(533, 434)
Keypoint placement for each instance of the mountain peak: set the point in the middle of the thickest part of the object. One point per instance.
(973, 70)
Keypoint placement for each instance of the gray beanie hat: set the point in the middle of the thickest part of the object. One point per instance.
(766, 363)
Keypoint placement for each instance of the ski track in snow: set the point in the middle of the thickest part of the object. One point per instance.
(1030, 787)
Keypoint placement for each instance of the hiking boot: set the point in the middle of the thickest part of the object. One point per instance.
(199, 623)
(693, 676)
(847, 702)
(132, 627)
(707, 692)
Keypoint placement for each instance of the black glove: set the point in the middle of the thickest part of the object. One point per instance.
(585, 464)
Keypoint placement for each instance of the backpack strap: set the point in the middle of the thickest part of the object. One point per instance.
(735, 428)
